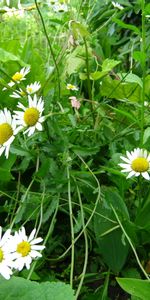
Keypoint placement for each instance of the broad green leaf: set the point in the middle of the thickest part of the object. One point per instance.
(85, 151)
(109, 64)
(120, 90)
(21, 289)
(6, 56)
(97, 75)
(79, 29)
(108, 234)
(130, 77)
(136, 287)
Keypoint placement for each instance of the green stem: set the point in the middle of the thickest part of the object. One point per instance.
(92, 212)
(25, 195)
(72, 229)
(130, 242)
(50, 47)
(86, 247)
(143, 64)
(51, 227)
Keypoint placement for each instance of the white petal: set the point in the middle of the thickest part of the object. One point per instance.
(32, 234)
(145, 175)
(132, 173)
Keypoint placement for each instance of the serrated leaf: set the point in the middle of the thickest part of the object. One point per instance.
(109, 64)
(19, 288)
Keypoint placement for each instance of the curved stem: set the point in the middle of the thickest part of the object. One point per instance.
(130, 242)
(72, 229)
(86, 247)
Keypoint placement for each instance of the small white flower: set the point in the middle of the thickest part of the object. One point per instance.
(33, 87)
(18, 76)
(18, 94)
(8, 131)
(31, 116)
(117, 5)
(25, 249)
(72, 87)
(6, 261)
(58, 7)
(136, 163)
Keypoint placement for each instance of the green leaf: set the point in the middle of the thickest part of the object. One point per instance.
(120, 90)
(130, 77)
(109, 64)
(135, 287)
(19, 288)
(6, 56)
(108, 234)
(79, 29)
(127, 26)
(146, 135)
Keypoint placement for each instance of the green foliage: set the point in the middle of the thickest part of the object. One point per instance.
(20, 288)
(136, 287)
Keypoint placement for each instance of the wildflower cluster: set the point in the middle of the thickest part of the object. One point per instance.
(18, 250)
(28, 118)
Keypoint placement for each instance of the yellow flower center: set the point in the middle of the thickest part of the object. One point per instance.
(23, 248)
(71, 86)
(29, 90)
(5, 133)
(17, 76)
(31, 116)
(1, 255)
(140, 164)
(22, 93)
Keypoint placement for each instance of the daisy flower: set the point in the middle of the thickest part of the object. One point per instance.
(8, 131)
(18, 94)
(18, 76)
(72, 87)
(30, 117)
(33, 87)
(136, 163)
(25, 249)
(6, 262)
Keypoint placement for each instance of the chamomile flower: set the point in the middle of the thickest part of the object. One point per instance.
(72, 87)
(8, 131)
(31, 116)
(136, 163)
(6, 261)
(18, 94)
(33, 87)
(18, 77)
(25, 248)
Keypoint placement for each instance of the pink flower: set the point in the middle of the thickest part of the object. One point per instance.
(74, 102)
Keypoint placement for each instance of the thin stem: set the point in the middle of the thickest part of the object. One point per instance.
(25, 195)
(51, 227)
(50, 47)
(130, 242)
(143, 65)
(72, 229)
(92, 212)
(86, 247)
